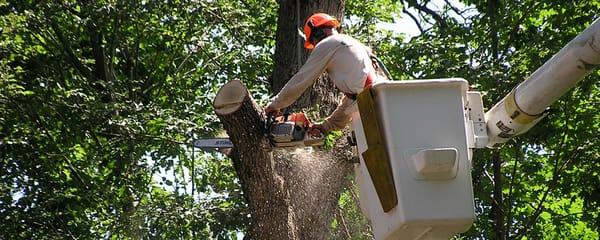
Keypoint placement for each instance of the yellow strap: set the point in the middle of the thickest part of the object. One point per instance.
(376, 157)
(515, 113)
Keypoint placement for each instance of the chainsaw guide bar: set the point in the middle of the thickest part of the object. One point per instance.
(287, 131)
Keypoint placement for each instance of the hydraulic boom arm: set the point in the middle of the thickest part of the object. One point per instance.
(524, 106)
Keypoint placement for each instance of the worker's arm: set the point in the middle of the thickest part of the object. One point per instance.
(340, 117)
(305, 77)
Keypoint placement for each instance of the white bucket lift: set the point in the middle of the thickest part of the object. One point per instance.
(415, 144)
(415, 158)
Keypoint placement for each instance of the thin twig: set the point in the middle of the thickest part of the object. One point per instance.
(38, 121)
(343, 221)
(511, 185)
(455, 9)
(423, 8)
(540, 205)
(135, 136)
(414, 19)
(551, 185)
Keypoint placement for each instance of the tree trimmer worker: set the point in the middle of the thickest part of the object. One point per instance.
(346, 60)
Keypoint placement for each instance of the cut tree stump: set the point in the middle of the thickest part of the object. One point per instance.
(264, 190)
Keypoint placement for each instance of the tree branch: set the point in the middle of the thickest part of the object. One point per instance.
(423, 8)
(497, 207)
(492, 8)
(343, 223)
(414, 19)
(519, 157)
(540, 205)
(66, 48)
(136, 136)
(555, 175)
(96, 39)
(455, 10)
(42, 125)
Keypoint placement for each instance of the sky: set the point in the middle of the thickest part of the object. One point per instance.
(405, 24)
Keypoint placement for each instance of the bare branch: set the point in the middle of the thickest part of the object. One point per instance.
(511, 185)
(455, 9)
(343, 222)
(487, 174)
(423, 8)
(136, 136)
(414, 19)
(551, 185)
(66, 48)
(497, 207)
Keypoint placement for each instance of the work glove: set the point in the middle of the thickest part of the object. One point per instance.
(317, 131)
(272, 111)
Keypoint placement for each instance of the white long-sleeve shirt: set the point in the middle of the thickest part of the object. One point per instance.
(347, 62)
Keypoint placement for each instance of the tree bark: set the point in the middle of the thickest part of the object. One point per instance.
(498, 204)
(291, 194)
(317, 179)
(290, 53)
(268, 201)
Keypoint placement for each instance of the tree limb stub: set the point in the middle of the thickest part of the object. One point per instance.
(268, 199)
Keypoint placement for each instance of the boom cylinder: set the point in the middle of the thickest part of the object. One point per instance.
(524, 106)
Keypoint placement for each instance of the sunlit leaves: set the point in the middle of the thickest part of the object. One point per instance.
(79, 143)
(94, 157)
(558, 156)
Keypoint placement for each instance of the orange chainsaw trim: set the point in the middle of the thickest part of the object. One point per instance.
(299, 119)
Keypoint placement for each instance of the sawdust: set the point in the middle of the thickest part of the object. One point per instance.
(314, 179)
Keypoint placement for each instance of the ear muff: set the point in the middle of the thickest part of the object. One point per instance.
(317, 34)
(308, 33)
(313, 28)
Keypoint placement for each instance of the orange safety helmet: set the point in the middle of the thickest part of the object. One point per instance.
(317, 20)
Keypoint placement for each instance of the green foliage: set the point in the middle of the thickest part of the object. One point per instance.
(330, 139)
(549, 175)
(99, 99)
(349, 221)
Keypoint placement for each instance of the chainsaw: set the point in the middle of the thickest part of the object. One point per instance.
(286, 131)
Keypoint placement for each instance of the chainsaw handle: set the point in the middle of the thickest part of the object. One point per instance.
(315, 133)
(269, 122)
(286, 114)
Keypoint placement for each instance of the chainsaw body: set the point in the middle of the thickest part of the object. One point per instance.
(292, 130)
(287, 131)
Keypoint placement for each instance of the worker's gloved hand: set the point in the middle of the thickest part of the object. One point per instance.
(317, 131)
(271, 111)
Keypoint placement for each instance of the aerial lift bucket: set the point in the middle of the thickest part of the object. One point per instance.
(414, 172)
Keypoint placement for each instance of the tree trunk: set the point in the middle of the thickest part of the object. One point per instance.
(271, 217)
(498, 203)
(290, 53)
(317, 179)
(292, 194)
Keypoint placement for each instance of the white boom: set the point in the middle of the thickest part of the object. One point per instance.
(524, 106)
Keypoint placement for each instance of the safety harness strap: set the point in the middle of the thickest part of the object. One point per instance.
(368, 83)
